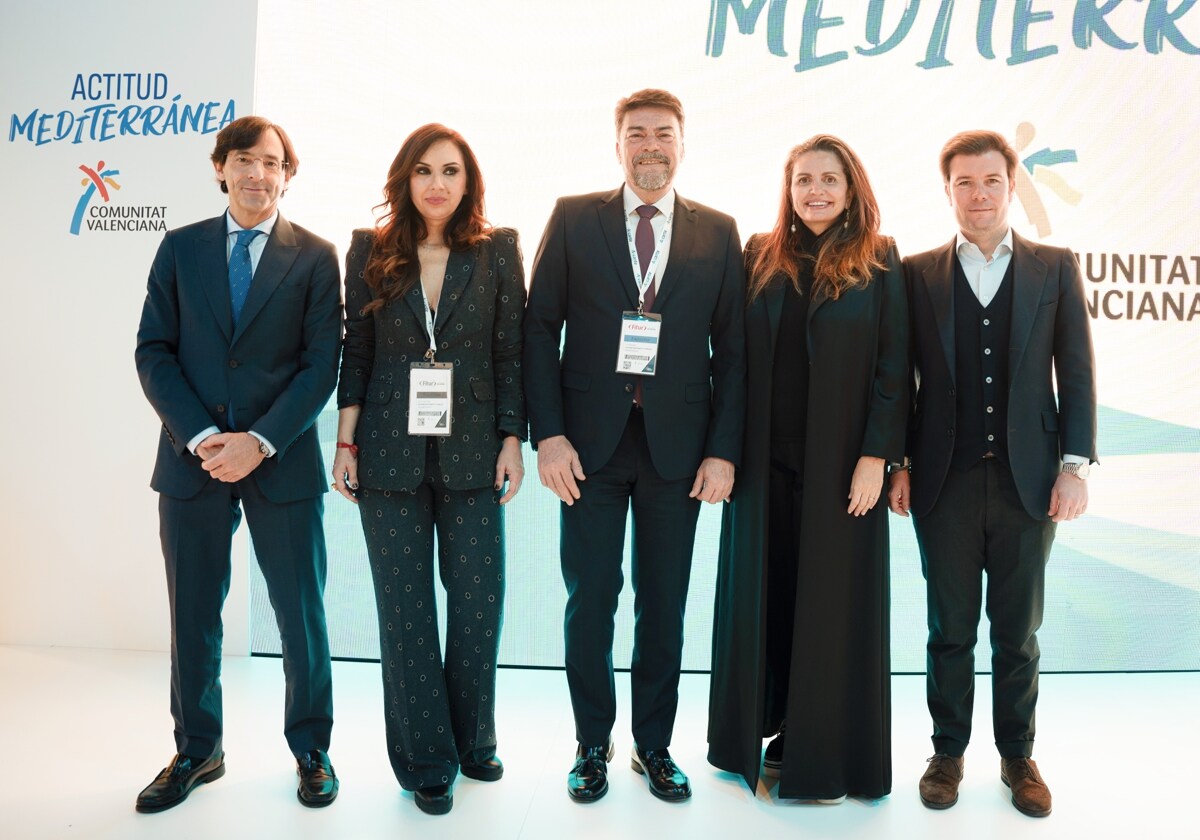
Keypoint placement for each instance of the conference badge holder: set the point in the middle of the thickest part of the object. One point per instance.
(430, 398)
(638, 351)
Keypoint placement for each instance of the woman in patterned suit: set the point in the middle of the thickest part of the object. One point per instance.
(433, 292)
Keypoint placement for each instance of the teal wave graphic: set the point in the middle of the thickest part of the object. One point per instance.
(1123, 433)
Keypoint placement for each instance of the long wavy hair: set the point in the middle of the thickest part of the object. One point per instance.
(852, 248)
(389, 273)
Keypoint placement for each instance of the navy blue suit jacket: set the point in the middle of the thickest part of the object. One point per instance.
(274, 371)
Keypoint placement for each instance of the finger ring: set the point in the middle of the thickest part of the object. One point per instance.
(333, 485)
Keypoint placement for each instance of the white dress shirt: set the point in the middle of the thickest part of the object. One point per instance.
(666, 206)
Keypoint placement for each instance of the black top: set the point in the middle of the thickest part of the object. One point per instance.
(789, 388)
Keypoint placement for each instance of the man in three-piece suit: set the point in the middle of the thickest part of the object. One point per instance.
(237, 353)
(1001, 438)
(643, 408)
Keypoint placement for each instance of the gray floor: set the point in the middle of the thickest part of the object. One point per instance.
(84, 730)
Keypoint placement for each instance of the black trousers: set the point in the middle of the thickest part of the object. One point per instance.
(978, 526)
(437, 715)
(289, 542)
(592, 550)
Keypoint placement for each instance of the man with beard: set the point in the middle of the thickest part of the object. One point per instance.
(642, 408)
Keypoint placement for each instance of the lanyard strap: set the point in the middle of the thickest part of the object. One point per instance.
(648, 277)
(428, 323)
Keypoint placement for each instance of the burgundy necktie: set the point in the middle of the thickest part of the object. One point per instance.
(643, 237)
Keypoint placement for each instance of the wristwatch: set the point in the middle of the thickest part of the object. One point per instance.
(262, 447)
(1080, 471)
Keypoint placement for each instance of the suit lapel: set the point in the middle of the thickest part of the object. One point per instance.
(1029, 278)
(459, 268)
(683, 238)
(212, 267)
(612, 222)
(939, 282)
(277, 258)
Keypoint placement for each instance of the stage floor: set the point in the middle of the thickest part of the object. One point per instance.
(85, 730)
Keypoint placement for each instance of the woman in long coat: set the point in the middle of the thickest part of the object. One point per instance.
(800, 637)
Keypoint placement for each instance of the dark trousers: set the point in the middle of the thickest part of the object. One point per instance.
(289, 542)
(437, 715)
(979, 526)
(592, 549)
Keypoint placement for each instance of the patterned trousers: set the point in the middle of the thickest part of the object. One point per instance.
(437, 715)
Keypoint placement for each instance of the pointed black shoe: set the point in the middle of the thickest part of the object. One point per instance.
(588, 779)
(177, 779)
(666, 780)
(318, 782)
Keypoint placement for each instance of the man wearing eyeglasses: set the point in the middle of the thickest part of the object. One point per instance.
(237, 353)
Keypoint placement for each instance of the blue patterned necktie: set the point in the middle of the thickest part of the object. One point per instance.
(240, 272)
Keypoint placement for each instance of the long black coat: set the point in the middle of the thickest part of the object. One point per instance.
(839, 701)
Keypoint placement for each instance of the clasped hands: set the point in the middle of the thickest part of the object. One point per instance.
(229, 456)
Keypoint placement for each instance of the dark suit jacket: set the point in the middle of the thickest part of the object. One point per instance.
(1051, 337)
(276, 370)
(478, 328)
(582, 277)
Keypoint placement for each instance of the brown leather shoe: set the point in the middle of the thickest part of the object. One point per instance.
(1030, 795)
(939, 785)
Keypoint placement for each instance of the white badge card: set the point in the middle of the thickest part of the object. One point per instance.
(638, 352)
(430, 398)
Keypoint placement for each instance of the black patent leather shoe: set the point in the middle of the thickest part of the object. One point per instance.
(588, 779)
(318, 783)
(667, 781)
(177, 779)
(436, 799)
(488, 770)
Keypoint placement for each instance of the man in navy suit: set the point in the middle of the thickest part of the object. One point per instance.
(1001, 438)
(237, 353)
(643, 410)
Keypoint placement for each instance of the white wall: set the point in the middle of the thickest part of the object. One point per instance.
(80, 559)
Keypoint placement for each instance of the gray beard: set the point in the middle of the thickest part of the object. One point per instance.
(652, 181)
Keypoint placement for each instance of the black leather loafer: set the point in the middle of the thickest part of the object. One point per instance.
(488, 770)
(436, 799)
(588, 779)
(318, 783)
(667, 781)
(177, 779)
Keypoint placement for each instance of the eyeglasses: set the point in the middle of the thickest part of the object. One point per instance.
(270, 165)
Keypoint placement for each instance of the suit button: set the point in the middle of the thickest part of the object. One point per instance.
(949, 433)
(221, 408)
(233, 363)
(628, 387)
(952, 392)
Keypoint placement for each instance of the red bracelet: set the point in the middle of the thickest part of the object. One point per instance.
(353, 449)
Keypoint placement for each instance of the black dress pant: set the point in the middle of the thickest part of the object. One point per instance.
(978, 526)
(437, 715)
(289, 542)
(592, 550)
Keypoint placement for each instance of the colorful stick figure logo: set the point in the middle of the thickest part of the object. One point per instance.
(1037, 167)
(98, 180)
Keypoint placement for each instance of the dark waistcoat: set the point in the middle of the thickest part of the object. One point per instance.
(981, 336)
